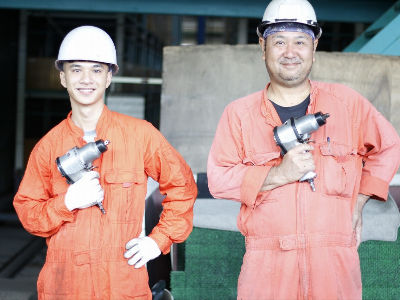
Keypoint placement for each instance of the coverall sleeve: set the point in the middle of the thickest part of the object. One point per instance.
(39, 212)
(165, 165)
(228, 176)
(380, 149)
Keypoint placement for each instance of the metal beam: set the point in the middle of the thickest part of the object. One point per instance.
(372, 30)
(350, 11)
(136, 80)
(386, 41)
(339, 11)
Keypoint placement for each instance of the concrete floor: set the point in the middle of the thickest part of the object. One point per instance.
(21, 286)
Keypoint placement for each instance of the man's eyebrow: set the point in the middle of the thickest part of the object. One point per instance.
(98, 66)
(75, 65)
(305, 36)
(300, 36)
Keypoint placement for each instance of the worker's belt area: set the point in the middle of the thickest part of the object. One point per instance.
(299, 241)
(85, 257)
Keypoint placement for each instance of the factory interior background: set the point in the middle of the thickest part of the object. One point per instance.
(145, 33)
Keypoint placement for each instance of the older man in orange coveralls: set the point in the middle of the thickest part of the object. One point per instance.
(91, 255)
(300, 244)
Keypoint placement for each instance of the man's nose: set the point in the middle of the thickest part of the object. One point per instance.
(289, 50)
(86, 77)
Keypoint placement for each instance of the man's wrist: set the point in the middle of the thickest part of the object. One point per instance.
(361, 200)
(273, 180)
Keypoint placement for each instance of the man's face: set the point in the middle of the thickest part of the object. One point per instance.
(288, 57)
(85, 81)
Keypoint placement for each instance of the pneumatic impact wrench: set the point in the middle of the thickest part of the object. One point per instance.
(297, 131)
(77, 161)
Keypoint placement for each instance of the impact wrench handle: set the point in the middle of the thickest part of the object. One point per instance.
(309, 176)
(100, 205)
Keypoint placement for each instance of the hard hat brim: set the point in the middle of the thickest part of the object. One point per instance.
(313, 25)
(59, 66)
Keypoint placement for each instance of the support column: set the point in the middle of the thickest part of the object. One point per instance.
(201, 30)
(176, 30)
(20, 115)
(120, 42)
(242, 31)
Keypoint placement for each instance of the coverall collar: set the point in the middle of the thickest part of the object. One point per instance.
(269, 111)
(78, 133)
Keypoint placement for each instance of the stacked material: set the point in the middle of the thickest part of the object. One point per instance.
(199, 81)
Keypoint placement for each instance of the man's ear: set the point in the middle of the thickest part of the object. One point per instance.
(315, 45)
(315, 48)
(62, 79)
(108, 80)
(262, 43)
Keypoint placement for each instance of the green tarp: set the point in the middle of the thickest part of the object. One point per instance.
(210, 261)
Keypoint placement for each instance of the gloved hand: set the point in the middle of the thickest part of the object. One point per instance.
(84, 193)
(140, 251)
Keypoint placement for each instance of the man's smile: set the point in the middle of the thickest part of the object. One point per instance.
(86, 91)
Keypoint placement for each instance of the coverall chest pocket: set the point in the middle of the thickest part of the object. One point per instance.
(124, 195)
(338, 167)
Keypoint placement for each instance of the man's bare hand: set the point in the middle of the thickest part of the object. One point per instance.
(357, 216)
(296, 162)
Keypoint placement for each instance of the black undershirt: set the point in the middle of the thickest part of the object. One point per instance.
(297, 111)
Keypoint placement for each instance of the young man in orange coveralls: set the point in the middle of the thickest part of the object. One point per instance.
(300, 244)
(93, 255)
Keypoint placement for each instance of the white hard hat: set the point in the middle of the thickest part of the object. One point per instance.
(88, 43)
(297, 11)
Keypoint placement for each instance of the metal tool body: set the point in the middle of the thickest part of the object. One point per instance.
(77, 161)
(297, 131)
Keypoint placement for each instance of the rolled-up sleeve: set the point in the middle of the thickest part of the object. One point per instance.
(381, 152)
(228, 176)
(165, 165)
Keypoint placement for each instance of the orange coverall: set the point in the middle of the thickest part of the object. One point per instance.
(300, 244)
(85, 257)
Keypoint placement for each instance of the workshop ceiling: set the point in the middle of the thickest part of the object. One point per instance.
(331, 11)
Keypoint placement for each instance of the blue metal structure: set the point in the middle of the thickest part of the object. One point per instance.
(382, 37)
(333, 11)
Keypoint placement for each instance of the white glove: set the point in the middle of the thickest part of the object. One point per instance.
(140, 251)
(84, 193)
